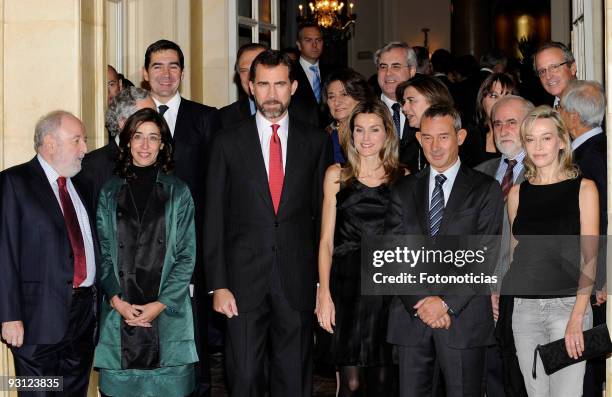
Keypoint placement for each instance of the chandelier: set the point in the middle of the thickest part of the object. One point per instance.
(330, 15)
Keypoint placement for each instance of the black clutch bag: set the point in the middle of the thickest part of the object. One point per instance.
(554, 354)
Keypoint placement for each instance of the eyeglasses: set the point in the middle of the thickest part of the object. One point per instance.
(510, 123)
(554, 68)
(152, 139)
(395, 67)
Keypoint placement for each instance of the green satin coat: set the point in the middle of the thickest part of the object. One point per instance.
(175, 323)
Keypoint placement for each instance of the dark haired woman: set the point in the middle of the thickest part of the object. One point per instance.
(356, 196)
(147, 239)
(479, 145)
(342, 91)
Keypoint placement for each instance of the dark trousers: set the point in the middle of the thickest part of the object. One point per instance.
(274, 334)
(462, 369)
(494, 372)
(71, 358)
(202, 367)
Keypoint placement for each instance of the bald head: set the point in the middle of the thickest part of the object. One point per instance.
(113, 84)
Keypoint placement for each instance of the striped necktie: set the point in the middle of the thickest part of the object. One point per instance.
(316, 82)
(397, 119)
(436, 208)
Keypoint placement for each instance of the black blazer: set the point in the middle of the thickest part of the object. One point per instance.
(35, 254)
(475, 207)
(591, 157)
(243, 238)
(305, 97)
(410, 152)
(98, 166)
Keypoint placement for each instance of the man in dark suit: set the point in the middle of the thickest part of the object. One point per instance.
(192, 126)
(98, 165)
(451, 199)
(395, 63)
(582, 107)
(503, 374)
(48, 258)
(262, 209)
(308, 72)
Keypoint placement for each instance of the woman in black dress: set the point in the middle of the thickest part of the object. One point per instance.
(355, 201)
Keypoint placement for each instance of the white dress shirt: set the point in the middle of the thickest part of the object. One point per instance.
(586, 136)
(264, 129)
(389, 102)
(503, 166)
(172, 113)
(82, 217)
(447, 187)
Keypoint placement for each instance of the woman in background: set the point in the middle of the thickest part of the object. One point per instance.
(342, 91)
(147, 240)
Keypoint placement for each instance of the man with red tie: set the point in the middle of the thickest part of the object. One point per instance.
(48, 258)
(262, 208)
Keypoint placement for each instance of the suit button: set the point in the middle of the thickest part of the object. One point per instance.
(120, 274)
(275, 223)
(121, 245)
(160, 240)
(119, 214)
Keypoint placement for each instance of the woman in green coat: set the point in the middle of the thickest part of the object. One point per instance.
(146, 228)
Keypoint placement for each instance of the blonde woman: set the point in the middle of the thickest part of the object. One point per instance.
(551, 275)
(355, 201)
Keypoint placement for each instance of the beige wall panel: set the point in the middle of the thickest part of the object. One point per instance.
(215, 68)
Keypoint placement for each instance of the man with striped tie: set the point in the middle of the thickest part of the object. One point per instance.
(450, 199)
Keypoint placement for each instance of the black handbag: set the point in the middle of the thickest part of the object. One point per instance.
(554, 354)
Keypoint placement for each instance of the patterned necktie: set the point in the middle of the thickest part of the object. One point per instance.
(162, 109)
(74, 234)
(436, 208)
(316, 82)
(508, 179)
(276, 175)
(396, 119)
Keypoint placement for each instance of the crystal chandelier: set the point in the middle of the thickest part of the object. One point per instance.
(329, 15)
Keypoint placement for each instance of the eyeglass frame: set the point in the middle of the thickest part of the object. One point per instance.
(396, 67)
(499, 124)
(554, 68)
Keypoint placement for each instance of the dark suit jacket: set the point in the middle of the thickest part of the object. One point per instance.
(35, 254)
(243, 238)
(474, 207)
(304, 95)
(591, 157)
(98, 166)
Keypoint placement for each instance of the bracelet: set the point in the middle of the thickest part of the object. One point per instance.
(444, 305)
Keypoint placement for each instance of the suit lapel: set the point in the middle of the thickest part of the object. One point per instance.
(181, 119)
(250, 148)
(421, 199)
(45, 195)
(457, 197)
(295, 150)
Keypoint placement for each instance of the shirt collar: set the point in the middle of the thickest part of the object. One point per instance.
(584, 137)
(50, 172)
(450, 173)
(519, 157)
(305, 64)
(173, 103)
(387, 101)
(264, 124)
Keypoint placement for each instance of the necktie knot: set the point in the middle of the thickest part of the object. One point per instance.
(440, 179)
(314, 68)
(396, 107)
(61, 182)
(511, 163)
(162, 109)
(275, 128)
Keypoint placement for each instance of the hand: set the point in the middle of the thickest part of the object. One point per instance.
(123, 308)
(442, 322)
(574, 339)
(495, 304)
(601, 297)
(325, 311)
(224, 302)
(146, 314)
(430, 309)
(12, 333)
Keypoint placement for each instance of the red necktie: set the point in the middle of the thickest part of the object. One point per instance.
(276, 174)
(508, 179)
(74, 234)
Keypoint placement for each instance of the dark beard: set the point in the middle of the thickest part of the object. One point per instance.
(272, 114)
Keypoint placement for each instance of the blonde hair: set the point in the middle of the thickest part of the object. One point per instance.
(388, 154)
(566, 159)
